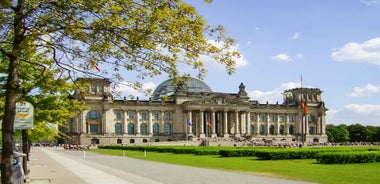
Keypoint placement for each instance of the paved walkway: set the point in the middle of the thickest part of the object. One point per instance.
(52, 165)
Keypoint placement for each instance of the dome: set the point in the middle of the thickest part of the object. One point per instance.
(191, 85)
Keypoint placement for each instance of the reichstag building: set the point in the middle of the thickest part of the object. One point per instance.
(191, 111)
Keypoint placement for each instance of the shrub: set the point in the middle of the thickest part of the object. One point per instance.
(348, 157)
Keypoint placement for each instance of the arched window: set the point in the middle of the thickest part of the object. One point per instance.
(118, 129)
(261, 130)
(167, 129)
(156, 129)
(143, 129)
(131, 129)
(93, 115)
(251, 129)
(291, 129)
(271, 129)
(282, 129)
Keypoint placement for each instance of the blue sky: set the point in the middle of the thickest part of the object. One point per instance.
(333, 44)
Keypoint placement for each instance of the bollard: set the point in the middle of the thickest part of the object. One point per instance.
(123, 153)
(144, 153)
(84, 154)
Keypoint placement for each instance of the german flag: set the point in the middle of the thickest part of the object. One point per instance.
(304, 107)
(208, 123)
(94, 67)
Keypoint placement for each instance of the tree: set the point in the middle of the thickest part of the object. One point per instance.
(373, 134)
(49, 92)
(337, 133)
(358, 133)
(150, 37)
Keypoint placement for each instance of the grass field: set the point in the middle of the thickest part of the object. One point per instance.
(305, 170)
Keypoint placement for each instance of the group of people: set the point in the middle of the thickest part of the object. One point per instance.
(77, 147)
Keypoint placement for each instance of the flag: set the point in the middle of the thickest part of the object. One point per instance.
(94, 67)
(208, 123)
(304, 107)
(188, 122)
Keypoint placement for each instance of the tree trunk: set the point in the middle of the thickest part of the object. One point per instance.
(12, 88)
(8, 121)
(25, 149)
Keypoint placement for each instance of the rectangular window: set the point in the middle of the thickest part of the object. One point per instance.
(155, 116)
(93, 90)
(311, 130)
(143, 116)
(291, 118)
(282, 118)
(271, 118)
(252, 117)
(93, 129)
(168, 116)
(118, 115)
(261, 118)
(100, 90)
(131, 116)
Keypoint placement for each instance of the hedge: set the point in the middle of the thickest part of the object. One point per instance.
(333, 154)
(237, 152)
(348, 157)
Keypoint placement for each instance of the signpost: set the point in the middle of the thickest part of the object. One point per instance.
(24, 116)
(24, 120)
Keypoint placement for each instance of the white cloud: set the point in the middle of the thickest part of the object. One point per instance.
(249, 42)
(299, 55)
(365, 114)
(125, 90)
(364, 109)
(296, 36)
(274, 95)
(370, 2)
(282, 57)
(367, 90)
(211, 65)
(367, 52)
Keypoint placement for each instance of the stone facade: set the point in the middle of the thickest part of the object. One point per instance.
(195, 116)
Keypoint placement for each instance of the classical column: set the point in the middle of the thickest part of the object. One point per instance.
(201, 123)
(306, 124)
(242, 123)
(150, 122)
(267, 131)
(162, 124)
(237, 132)
(138, 122)
(190, 127)
(318, 125)
(212, 122)
(108, 121)
(286, 128)
(247, 122)
(277, 125)
(125, 122)
(323, 125)
(257, 124)
(83, 121)
(225, 127)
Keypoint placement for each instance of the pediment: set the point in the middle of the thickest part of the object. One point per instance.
(217, 100)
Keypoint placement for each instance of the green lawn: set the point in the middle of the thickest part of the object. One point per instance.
(305, 170)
